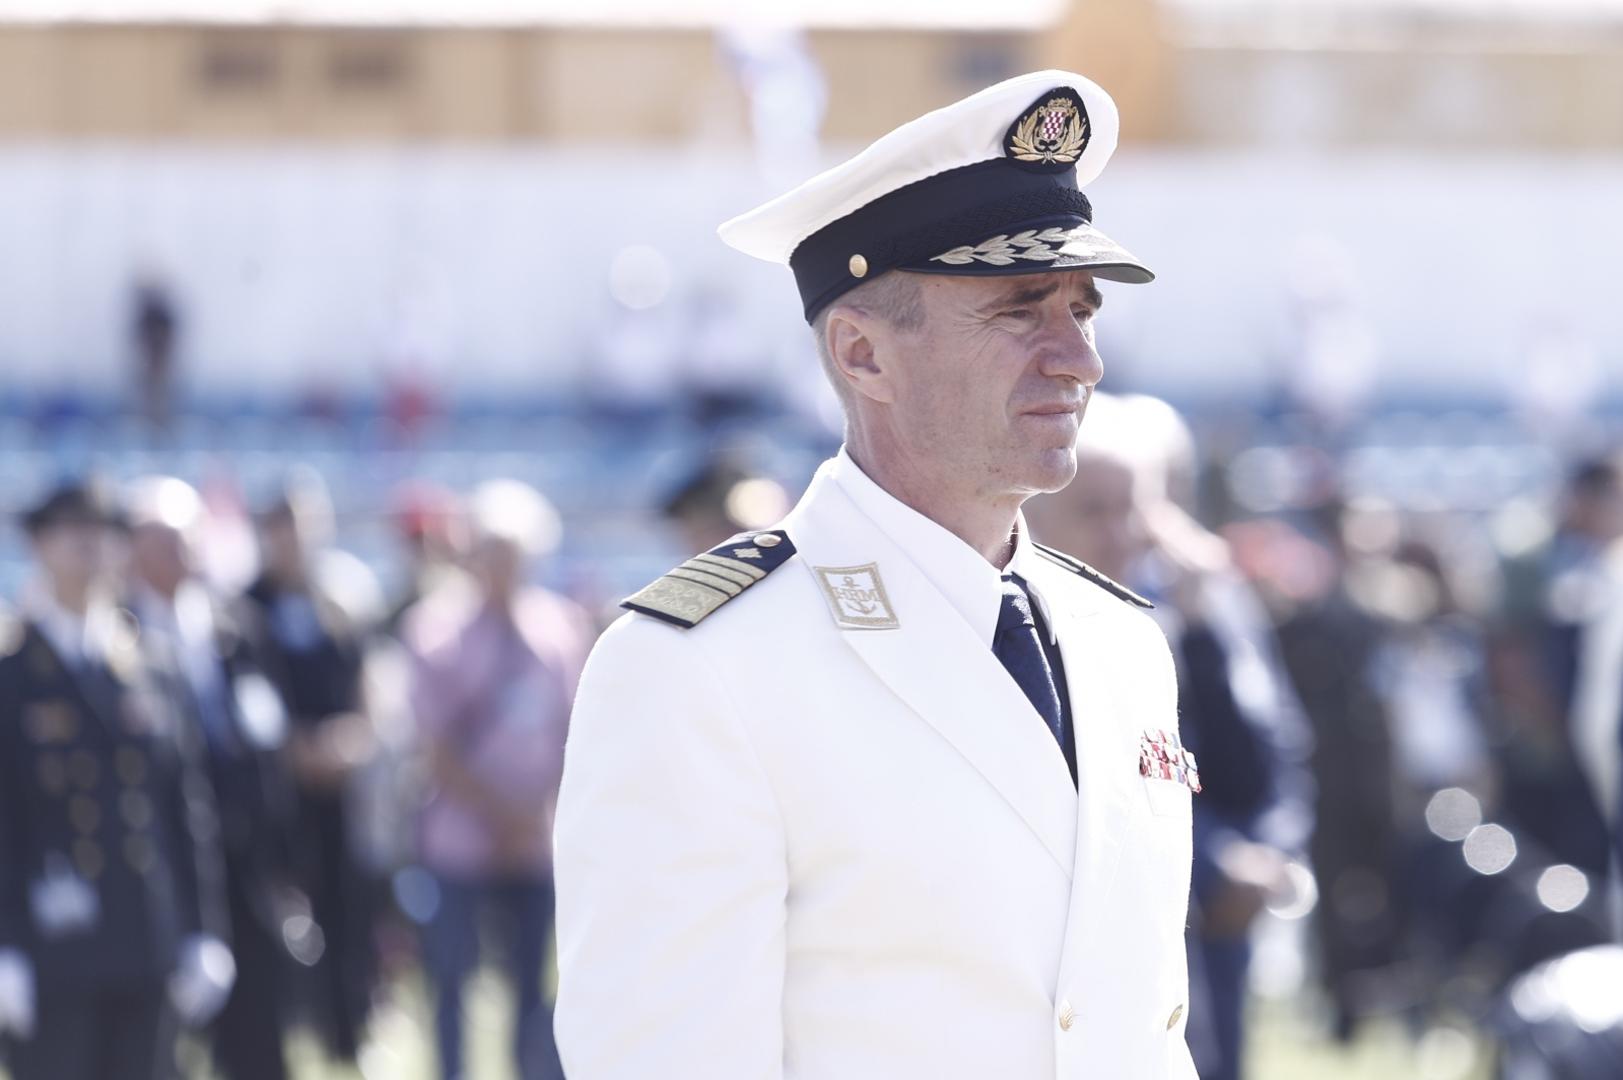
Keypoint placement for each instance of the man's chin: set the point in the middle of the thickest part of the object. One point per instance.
(1051, 470)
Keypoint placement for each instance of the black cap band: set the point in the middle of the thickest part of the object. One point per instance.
(908, 227)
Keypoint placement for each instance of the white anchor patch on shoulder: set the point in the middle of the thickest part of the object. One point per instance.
(856, 596)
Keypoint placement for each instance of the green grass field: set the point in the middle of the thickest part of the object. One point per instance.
(1286, 1044)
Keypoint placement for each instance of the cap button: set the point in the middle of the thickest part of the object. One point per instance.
(859, 266)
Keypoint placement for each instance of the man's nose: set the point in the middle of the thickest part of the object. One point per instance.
(1069, 352)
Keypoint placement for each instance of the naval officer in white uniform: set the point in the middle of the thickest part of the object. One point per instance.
(890, 790)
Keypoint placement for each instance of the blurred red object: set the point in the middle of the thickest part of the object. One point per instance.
(424, 510)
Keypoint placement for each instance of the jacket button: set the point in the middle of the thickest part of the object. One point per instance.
(1172, 1021)
(1067, 1016)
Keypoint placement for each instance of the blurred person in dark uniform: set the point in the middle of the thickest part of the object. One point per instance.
(242, 725)
(1331, 641)
(721, 497)
(1554, 594)
(1431, 674)
(112, 928)
(496, 660)
(313, 650)
(1239, 717)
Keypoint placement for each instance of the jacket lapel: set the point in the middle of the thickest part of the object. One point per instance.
(1106, 746)
(938, 665)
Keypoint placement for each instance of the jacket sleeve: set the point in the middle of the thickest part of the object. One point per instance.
(671, 872)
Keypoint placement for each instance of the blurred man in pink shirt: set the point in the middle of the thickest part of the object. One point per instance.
(496, 661)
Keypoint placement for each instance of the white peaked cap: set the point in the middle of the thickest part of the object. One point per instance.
(988, 185)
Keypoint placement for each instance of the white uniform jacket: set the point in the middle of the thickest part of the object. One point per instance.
(787, 847)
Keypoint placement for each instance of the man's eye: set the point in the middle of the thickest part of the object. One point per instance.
(1018, 313)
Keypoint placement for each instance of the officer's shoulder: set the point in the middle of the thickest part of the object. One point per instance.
(692, 592)
(1088, 573)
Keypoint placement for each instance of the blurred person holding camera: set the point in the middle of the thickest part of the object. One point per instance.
(112, 920)
(1239, 715)
(496, 661)
(312, 640)
(241, 723)
(1558, 598)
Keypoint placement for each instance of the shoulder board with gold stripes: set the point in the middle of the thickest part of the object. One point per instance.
(1082, 569)
(697, 588)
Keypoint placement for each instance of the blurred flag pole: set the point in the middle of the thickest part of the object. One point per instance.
(787, 96)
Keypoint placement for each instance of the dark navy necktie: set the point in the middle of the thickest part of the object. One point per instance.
(1020, 651)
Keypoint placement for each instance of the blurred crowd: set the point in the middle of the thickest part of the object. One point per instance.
(1408, 731)
(225, 812)
(234, 811)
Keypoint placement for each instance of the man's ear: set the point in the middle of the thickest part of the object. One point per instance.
(856, 345)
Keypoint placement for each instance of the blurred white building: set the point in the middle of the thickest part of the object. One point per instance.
(334, 189)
